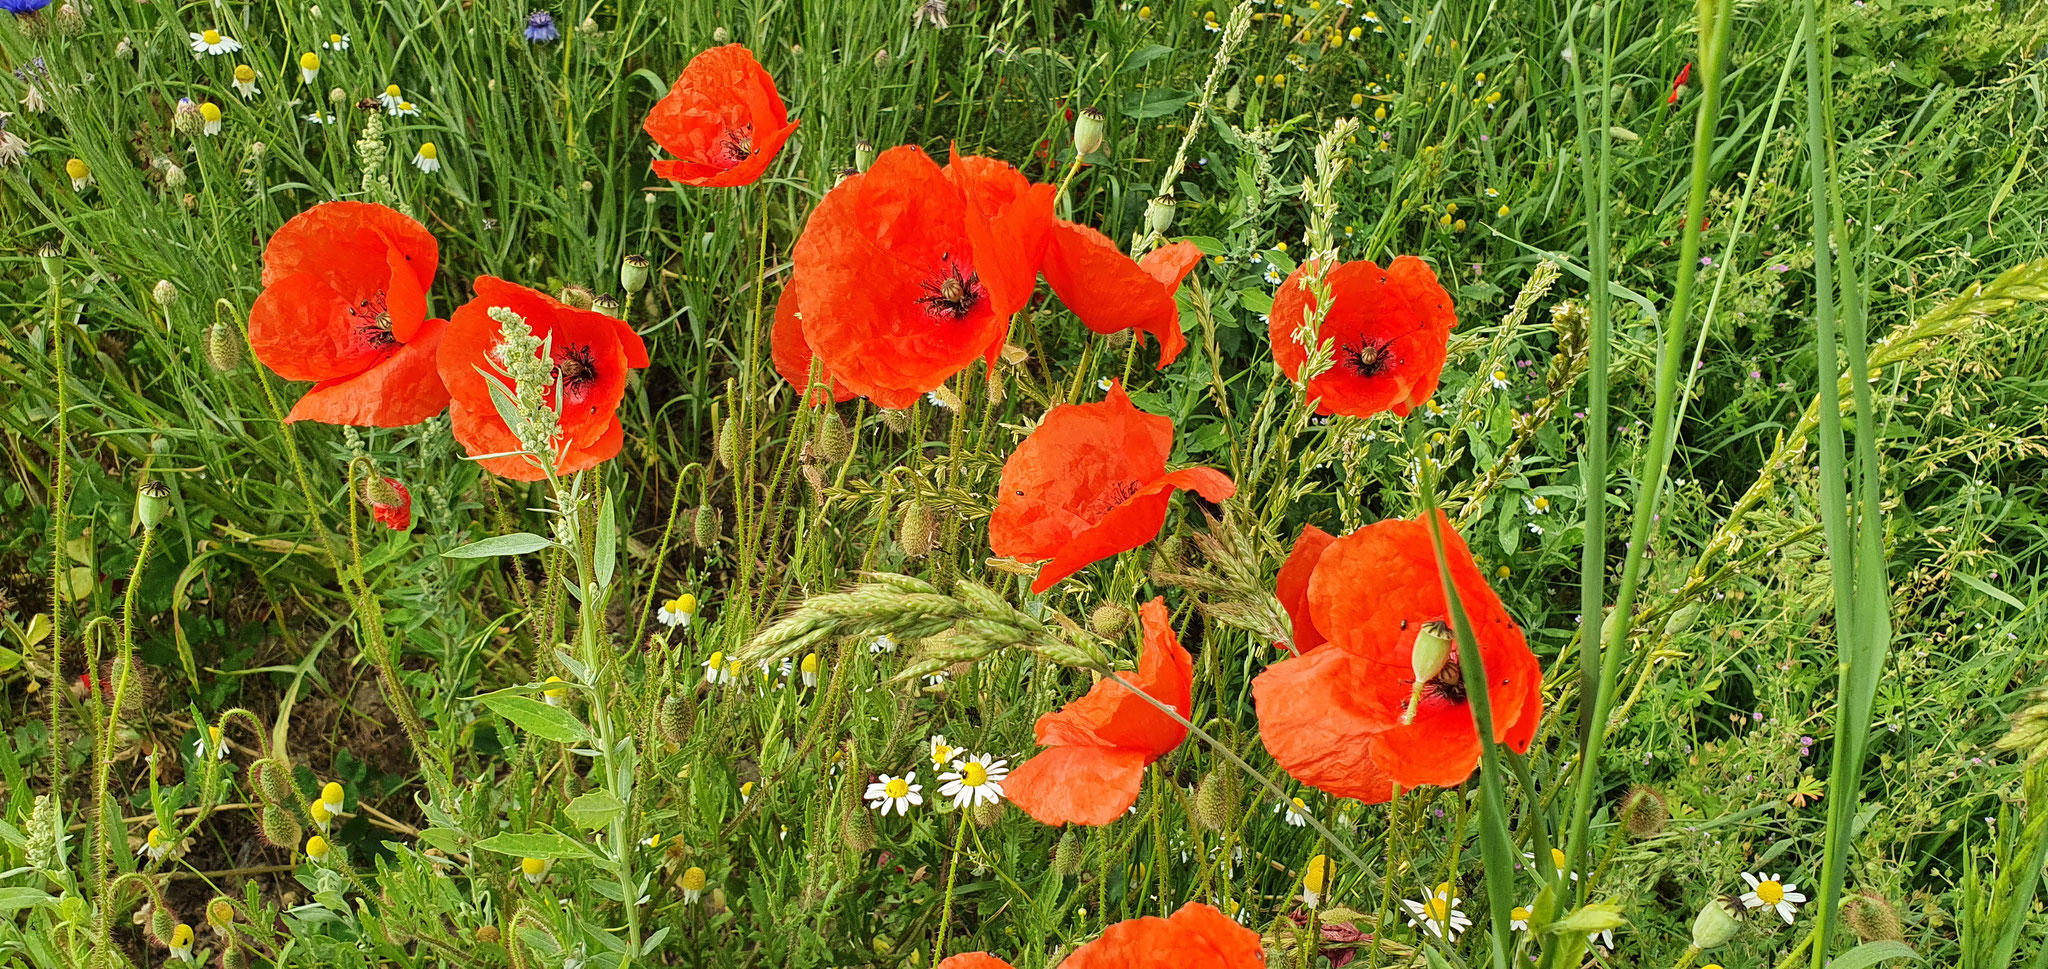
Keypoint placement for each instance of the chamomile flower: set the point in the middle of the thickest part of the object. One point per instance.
(1767, 891)
(693, 884)
(1603, 938)
(677, 611)
(80, 172)
(209, 113)
(975, 780)
(1498, 379)
(181, 943)
(157, 844)
(210, 41)
(1557, 858)
(1315, 881)
(333, 796)
(715, 669)
(936, 678)
(309, 66)
(245, 81)
(746, 791)
(1537, 505)
(942, 752)
(335, 42)
(318, 849)
(535, 869)
(1297, 812)
(1439, 913)
(210, 744)
(809, 669)
(1273, 276)
(320, 117)
(405, 109)
(1518, 918)
(428, 158)
(884, 643)
(895, 793)
(391, 98)
(322, 818)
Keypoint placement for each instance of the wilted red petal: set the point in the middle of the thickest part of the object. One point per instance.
(1308, 724)
(792, 353)
(1111, 293)
(1077, 785)
(1389, 327)
(1291, 587)
(401, 389)
(722, 120)
(1196, 937)
(1130, 524)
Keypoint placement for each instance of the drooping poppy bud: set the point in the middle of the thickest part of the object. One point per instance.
(389, 501)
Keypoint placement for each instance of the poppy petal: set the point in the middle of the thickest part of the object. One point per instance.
(1196, 937)
(973, 960)
(1111, 293)
(1131, 524)
(1308, 724)
(402, 389)
(723, 120)
(299, 328)
(308, 241)
(792, 355)
(1077, 785)
(1291, 587)
(1389, 328)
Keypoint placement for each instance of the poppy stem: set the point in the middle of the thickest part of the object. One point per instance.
(60, 507)
(952, 873)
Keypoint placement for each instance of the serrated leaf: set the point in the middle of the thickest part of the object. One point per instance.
(537, 718)
(594, 809)
(517, 543)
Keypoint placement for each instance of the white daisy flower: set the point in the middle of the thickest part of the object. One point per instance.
(1104, 384)
(405, 109)
(693, 885)
(211, 42)
(936, 678)
(1766, 891)
(535, 869)
(391, 98)
(336, 42)
(1537, 505)
(1603, 938)
(1557, 858)
(674, 612)
(333, 796)
(975, 780)
(181, 943)
(1297, 812)
(809, 669)
(1439, 913)
(1498, 379)
(309, 66)
(322, 817)
(1315, 881)
(746, 792)
(716, 670)
(428, 160)
(245, 81)
(884, 643)
(1518, 918)
(556, 695)
(651, 841)
(943, 753)
(210, 744)
(1273, 276)
(895, 793)
(157, 844)
(209, 113)
(320, 117)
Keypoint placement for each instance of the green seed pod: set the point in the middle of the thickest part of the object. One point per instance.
(152, 503)
(163, 923)
(1644, 813)
(633, 273)
(1109, 620)
(1159, 213)
(835, 442)
(863, 154)
(678, 716)
(1214, 799)
(727, 445)
(1681, 620)
(1068, 856)
(916, 533)
(609, 305)
(1091, 130)
(1873, 919)
(223, 348)
(280, 827)
(705, 526)
(1718, 922)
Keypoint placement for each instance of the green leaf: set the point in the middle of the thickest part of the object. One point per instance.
(605, 556)
(1871, 953)
(20, 898)
(548, 845)
(594, 809)
(539, 719)
(517, 543)
(1143, 58)
(1155, 104)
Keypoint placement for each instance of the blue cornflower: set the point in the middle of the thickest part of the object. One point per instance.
(22, 8)
(540, 26)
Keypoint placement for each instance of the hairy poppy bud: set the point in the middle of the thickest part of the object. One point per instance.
(281, 828)
(577, 296)
(220, 914)
(1644, 814)
(727, 445)
(704, 530)
(609, 305)
(678, 716)
(234, 958)
(165, 293)
(835, 442)
(1717, 923)
(389, 502)
(856, 828)
(152, 503)
(1873, 919)
(1109, 620)
(487, 934)
(863, 154)
(916, 533)
(1067, 858)
(1431, 653)
(1091, 129)
(1213, 801)
(896, 420)
(633, 273)
(1159, 213)
(163, 924)
(274, 784)
(987, 813)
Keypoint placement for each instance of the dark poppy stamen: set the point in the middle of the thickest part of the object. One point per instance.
(576, 368)
(1116, 495)
(736, 145)
(372, 316)
(1365, 359)
(956, 293)
(1448, 684)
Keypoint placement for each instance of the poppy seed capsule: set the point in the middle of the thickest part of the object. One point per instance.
(609, 305)
(1644, 813)
(1159, 213)
(1091, 130)
(152, 503)
(1431, 653)
(863, 154)
(1873, 919)
(51, 253)
(633, 273)
(704, 530)
(1717, 923)
(280, 827)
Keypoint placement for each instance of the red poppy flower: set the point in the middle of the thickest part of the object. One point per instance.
(1111, 292)
(1389, 326)
(344, 303)
(1196, 937)
(393, 513)
(973, 960)
(1090, 483)
(723, 121)
(908, 272)
(1101, 743)
(1678, 83)
(591, 353)
(1333, 718)
(792, 353)
(1291, 588)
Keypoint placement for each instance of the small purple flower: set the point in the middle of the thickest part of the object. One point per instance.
(540, 28)
(1756, 375)
(1706, 260)
(1781, 268)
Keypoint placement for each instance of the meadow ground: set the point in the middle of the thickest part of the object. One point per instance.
(649, 683)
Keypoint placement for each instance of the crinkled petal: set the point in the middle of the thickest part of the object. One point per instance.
(403, 389)
(1309, 725)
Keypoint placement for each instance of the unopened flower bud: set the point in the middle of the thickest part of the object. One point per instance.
(835, 441)
(987, 813)
(223, 347)
(916, 533)
(633, 272)
(220, 914)
(152, 503)
(705, 526)
(1432, 652)
(163, 924)
(1718, 922)
(185, 117)
(165, 293)
(895, 420)
(1873, 919)
(678, 715)
(280, 827)
(576, 296)
(1109, 620)
(1067, 858)
(720, 35)
(1213, 801)
(70, 22)
(174, 175)
(1644, 814)
(727, 445)
(1091, 130)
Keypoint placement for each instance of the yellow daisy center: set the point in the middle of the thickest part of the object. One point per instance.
(210, 38)
(533, 866)
(244, 73)
(429, 152)
(1520, 913)
(973, 774)
(391, 90)
(1438, 909)
(693, 879)
(1770, 892)
(897, 788)
(334, 38)
(1557, 858)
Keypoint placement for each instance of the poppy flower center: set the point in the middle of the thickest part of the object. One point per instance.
(1111, 497)
(1367, 358)
(372, 319)
(735, 146)
(955, 293)
(576, 368)
(1448, 684)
